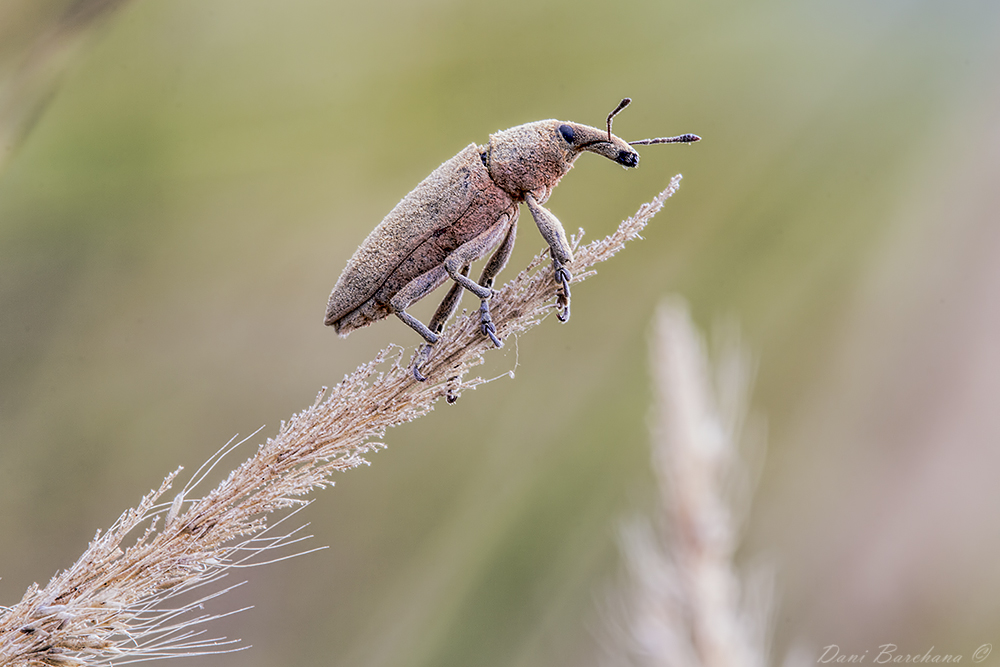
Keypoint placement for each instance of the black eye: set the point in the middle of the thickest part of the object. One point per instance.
(567, 132)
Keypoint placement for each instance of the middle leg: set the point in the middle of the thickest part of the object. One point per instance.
(493, 267)
(475, 249)
(455, 266)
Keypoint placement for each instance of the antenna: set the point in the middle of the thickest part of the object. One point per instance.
(681, 139)
(621, 105)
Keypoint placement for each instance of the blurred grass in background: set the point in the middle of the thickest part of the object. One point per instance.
(173, 222)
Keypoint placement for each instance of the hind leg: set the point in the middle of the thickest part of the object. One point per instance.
(447, 308)
(415, 290)
(441, 316)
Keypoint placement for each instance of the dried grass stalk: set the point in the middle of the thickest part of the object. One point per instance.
(119, 604)
(686, 605)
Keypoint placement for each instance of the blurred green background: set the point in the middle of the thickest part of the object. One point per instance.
(182, 184)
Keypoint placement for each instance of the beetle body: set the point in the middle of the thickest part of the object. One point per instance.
(463, 210)
(452, 206)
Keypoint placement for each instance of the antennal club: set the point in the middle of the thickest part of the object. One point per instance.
(621, 105)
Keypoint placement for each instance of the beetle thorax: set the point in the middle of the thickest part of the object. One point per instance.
(528, 158)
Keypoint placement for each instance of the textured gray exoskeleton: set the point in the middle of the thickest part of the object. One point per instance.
(467, 207)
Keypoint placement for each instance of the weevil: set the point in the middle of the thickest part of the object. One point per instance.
(466, 208)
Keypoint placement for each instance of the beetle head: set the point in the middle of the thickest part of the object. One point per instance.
(536, 155)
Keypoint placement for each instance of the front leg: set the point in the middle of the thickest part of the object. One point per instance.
(562, 276)
(553, 232)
